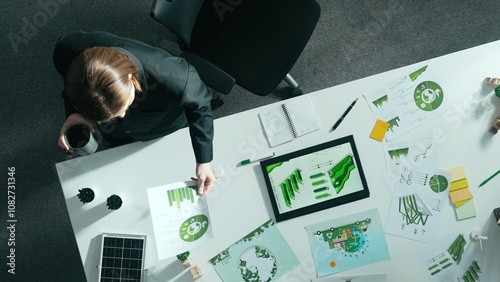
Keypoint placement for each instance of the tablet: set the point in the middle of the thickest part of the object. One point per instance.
(315, 178)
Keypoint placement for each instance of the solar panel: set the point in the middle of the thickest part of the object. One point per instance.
(122, 258)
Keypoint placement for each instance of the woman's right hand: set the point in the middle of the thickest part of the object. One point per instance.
(73, 119)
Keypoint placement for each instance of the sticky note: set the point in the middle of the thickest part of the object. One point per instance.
(379, 130)
(458, 173)
(459, 184)
(460, 203)
(460, 195)
(468, 210)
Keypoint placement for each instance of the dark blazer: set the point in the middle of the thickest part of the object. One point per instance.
(172, 91)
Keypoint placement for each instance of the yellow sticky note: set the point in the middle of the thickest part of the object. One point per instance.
(459, 184)
(379, 130)
(458, 173)
(461, 203)
(460, 195)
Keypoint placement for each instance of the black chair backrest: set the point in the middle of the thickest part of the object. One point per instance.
(255, 41)
(177, 15)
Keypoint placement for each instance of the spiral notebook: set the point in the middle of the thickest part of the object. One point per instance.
(289, 120)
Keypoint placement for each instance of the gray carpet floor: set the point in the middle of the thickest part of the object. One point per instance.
(353, 39)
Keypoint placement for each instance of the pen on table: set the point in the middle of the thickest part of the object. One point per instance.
(344, 115)
(257, 158)
(489, 178)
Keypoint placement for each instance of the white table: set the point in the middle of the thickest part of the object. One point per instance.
(239, 202)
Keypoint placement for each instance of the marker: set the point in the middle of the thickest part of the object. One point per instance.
(344, 115)
(257, 158)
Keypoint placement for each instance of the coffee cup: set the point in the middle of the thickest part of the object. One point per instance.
(80, 140)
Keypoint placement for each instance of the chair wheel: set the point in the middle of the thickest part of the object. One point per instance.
(297, 92)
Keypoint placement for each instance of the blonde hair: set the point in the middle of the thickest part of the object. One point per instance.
(98, 83)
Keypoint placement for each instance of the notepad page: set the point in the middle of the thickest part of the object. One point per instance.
(276, 126)
(302, 115)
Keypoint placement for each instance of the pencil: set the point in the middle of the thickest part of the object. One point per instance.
(344, 115)
(489, 178)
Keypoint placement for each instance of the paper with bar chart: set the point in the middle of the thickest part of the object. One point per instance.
(180, 218)
(409, 101)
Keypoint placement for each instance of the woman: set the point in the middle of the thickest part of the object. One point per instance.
(134, 92)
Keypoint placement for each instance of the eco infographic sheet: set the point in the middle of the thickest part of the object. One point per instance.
(347, 242)
(418, 203)
(409, 101)
(453, 257)
(180, 218)
(262, 255)
(413, 153)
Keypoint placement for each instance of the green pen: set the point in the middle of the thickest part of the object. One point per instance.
(489, 178)
(257, 158)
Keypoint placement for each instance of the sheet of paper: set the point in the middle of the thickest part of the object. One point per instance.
(453, 258)
(347, 242)
(409, 101)
(295, 115)
(418, 203)
(262, 255)
(180, 218)
(276, 126)
(302, 114)
(414, 153)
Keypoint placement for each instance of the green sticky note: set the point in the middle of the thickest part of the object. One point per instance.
(461, 203)
(467, 210)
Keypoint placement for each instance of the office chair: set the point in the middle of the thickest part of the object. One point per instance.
(254, 42)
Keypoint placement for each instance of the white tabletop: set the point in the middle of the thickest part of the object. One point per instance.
(239, 202)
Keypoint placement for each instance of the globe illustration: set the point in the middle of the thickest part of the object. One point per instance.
(257, 264)
(428, 96)
(193, 228)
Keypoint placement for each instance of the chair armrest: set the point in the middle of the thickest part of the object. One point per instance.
(211, 75)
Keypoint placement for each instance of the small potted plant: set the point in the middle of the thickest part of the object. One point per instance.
(86, 195)
(114, 202)
(183, 258)
(195, 270)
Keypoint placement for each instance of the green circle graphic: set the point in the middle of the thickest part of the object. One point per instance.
(257, 264)
(428, 96)
(438, 183)
(193, 228)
